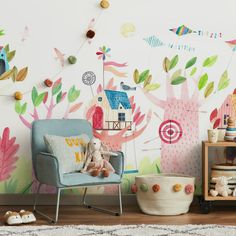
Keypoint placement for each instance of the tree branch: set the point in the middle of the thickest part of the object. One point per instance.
(185, 89)
(25, 122)
(169, 88)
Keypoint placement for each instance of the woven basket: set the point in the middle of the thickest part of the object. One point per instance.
(171, 197)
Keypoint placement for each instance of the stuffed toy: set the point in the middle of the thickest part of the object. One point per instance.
(15, 218)
(27, 217)
(97, 159)
(221, 187)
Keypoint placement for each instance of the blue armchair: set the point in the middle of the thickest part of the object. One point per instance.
(46, 169)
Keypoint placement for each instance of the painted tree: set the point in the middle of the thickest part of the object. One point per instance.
(48, 100)
(179, 131)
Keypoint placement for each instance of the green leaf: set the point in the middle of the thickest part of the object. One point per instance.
(34, 95)
(147, 81)
(143, 76)
(193, 71)
(7, 48)
(73, 94)
(202, 81)
(174, 62)
(166, 64)
(56, 89)
(136, 76)
(10, 55)
(191, 62)
(59, 97)
(14, 73)
(176, 74)
(152, 87)
(39, 99)
(224, 81)
(210, 61)
(23, 108)
(18, 107)
(209, 89)
(178, 80)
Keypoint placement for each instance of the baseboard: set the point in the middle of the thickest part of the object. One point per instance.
(66, 199)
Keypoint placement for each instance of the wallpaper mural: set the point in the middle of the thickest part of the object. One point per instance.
(150, 90)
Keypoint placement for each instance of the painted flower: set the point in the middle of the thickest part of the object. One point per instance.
(189, 189)
(177, 187)
(102, 54)
(156, 188)
(134, 188)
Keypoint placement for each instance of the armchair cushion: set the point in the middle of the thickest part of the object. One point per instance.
(85, 179)
(68, 150)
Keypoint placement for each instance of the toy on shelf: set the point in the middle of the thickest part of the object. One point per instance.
(230, 133)
(221, 187)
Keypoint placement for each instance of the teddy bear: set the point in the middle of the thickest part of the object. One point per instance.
(221, 187)
(97, 159)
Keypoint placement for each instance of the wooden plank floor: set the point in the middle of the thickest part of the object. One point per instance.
(132, 215)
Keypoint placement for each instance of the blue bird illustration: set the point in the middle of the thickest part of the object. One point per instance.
(126, 87)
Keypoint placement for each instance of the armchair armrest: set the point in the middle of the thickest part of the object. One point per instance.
(118, 163)
(47, 169)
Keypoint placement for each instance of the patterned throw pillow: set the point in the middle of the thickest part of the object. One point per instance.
(70, 151)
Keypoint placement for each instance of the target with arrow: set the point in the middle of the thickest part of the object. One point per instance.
(170, 131)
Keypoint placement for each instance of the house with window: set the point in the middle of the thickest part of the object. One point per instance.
(113, 111)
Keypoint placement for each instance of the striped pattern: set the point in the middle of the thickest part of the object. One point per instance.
(153, 41)
(181, 30)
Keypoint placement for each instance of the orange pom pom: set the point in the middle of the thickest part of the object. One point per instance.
(177, 187)
(156, 188)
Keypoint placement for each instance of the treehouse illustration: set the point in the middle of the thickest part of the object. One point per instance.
(113, 111)
(4, 65)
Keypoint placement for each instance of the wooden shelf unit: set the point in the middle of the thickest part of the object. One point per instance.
(205, 174)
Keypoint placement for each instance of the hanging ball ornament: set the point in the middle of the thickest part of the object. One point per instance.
(72, 59)
(48, 83)
(156, 188)
(104, 4)
(90, 34)
(177, 187)
(18, 95)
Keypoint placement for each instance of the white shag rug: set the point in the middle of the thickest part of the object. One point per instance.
(120, 230)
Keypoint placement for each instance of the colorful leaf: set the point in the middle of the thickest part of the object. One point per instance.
(178, 80)
(6, 75)
(23, 108)
(136, 76)
(191, 62)
(56, 87)
(34, 95)
(45, 98)
(224, 81)
(166, 64)
(10, 186)
(209, 89)
(8, 158)
(143, 76)
(73, 94)
(202, 81)
(99, 89)
(147, 81)
(59, 96)
(213, 114)
(216, 123)
(176, 74)
(22, 74)
(152, 87)
(39, 99)
(174, 62)
(10, 55)
(210, 61)
(18, 107)
(7, 48)
(193, 71)
(110, 84)
(14, 73)
(140, 120)
(75, 107)
(136, 116)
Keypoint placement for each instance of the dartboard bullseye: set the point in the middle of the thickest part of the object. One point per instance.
(170, 131)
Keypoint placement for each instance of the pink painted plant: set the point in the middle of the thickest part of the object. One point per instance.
(8, 158)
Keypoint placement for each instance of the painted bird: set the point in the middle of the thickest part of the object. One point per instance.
(126, 87)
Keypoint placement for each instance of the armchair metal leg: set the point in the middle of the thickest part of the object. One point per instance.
(84, 204)
(57, 206)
